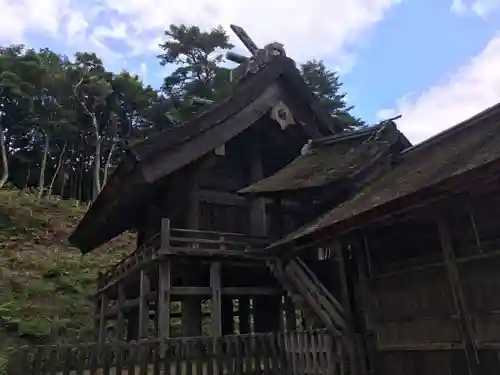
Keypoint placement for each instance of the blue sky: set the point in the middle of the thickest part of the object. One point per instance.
(436, 62)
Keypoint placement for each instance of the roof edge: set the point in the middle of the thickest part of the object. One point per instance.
(461, 126)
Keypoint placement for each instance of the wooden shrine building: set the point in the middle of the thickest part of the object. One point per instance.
(265, 214)
(200, 242)
(419, 248)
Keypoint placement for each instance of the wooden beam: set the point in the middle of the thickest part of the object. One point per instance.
(215, 284)
(143, 304)
(164, 293)
(227, 291)
(466, 328)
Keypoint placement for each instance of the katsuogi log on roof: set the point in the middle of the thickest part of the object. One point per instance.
(277, 83)
(447, 162)
(336, 158)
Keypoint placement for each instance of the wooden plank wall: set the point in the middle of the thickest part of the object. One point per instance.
(419, 325)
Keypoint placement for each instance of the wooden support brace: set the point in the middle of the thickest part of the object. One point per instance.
(466, 328)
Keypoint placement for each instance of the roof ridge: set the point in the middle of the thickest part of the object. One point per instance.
(461, 126)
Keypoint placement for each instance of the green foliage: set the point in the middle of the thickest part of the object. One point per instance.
(45, 284)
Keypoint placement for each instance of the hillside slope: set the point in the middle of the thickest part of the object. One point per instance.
(44, 282)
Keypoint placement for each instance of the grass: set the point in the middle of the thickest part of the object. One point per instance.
(45, 284)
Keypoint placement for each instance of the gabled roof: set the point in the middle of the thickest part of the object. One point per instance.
(334, 158)
(422, 172)
(114, 209)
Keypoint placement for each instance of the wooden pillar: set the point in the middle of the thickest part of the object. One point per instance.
(353, 347)
(191, 305)
(364, 302)
(466, 328)
(103, 304)
(143, 305)
(163, 301)
(165, 234)
(215, 285)
(257, 206)
(227, 315)
(244, 314)
(133, 324)
(267, 314)
(290, 318)
(120, 320)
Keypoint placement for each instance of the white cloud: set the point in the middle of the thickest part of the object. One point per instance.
(472, 88)
(318, 28)
(18, 17)
(482, 8)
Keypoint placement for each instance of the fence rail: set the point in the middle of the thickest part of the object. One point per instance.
(295, 353)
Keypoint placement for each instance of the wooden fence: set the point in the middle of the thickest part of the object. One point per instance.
(309, 352)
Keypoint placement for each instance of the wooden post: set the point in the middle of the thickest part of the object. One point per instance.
(244, 314)
(120, 328)
(163, 302)
(346, 303)
(257, 206)
(102, 319)
(191, 307)
(227, 315)
(466, 328)
(143, 305)
(165, 235)
(290, 318)
(364, 300)
(215, 284)
(133, 324)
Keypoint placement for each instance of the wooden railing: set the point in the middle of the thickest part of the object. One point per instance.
(186, 242)
(198, 242)
(149, 250)
(309, 352)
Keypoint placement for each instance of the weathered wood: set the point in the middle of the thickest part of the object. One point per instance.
(165, 234)
(339, 251)
(458, 297)
(222, 133)
(102, 319)
(164, 295)
(143, 304)
(321, 305)
(215, 284)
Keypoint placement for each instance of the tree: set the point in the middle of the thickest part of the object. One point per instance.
(91, 91)
(198, 55)
(327, 86)
(16, 92)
